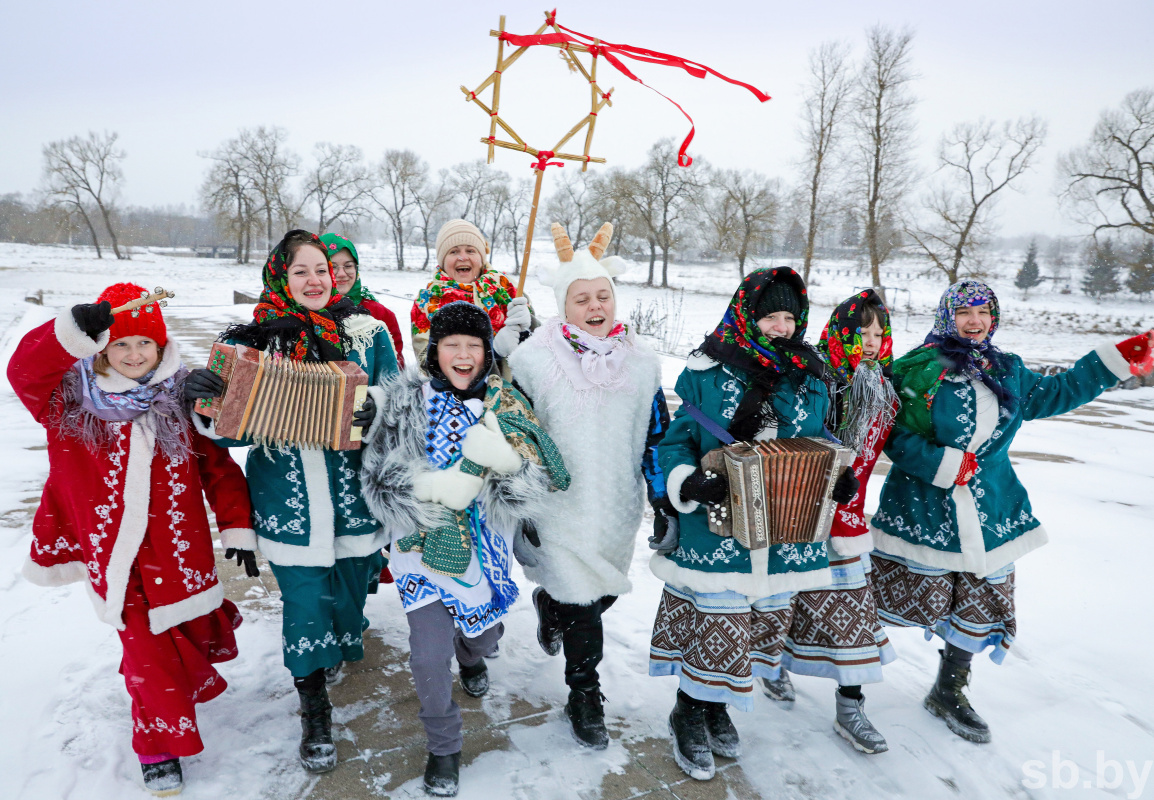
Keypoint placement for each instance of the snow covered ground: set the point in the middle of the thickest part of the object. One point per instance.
(1070, 703)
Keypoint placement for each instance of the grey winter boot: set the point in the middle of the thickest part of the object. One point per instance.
(691, 738)
(946, 700)
(855, 727)
(780, 689)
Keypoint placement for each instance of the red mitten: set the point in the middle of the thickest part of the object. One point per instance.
(967, 470)
(1139, 352)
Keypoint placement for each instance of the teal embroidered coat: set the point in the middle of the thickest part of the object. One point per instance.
(706, 562)
(988, 523)
(307, 504)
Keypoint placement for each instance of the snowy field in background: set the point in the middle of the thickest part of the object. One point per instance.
(1075, 688)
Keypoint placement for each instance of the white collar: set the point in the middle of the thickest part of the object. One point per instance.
(699, 362)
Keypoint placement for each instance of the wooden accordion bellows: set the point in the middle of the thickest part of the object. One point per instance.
(279, 402)
(780, 491)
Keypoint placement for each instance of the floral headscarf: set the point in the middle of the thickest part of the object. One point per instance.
(491, 290)
(841, 339)
(335, 243)
(920, 372)
(288, 327)
(739, 342)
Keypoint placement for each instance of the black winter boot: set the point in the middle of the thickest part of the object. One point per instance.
(691, 737)
(475, 679)
(723, 739)
(946, 700)
(443, 775)
(163, 778)
(548, 627)
(317, 751)
(587, 717)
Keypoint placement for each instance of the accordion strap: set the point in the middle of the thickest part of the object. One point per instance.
(718, 432)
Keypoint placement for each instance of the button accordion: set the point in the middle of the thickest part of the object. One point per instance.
(279, 402)
(780, 491)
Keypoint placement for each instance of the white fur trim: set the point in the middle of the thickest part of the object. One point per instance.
(359, 546)
(994, 561)
(987, 416)
(852, 545)
(378, 395)
(583, 266)
(162, 618)
(55, 575)
(948, 467)
(76, 342)
(205, 427)
(969, 530)
(137, 484)
(320, 550)
(239, 538)
(699, 362)
(115, 383)
(1114, 361)
(673, 482)
(752, 585)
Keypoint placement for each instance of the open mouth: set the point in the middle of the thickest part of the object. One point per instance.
(314, 293)
(973, 332)
(463, 371)
(595, 322)
(465, 270)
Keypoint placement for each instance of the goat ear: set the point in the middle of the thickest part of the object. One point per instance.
(600, 242)
(615, 265)
(561, 242)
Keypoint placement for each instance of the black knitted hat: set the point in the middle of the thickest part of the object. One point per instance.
(459, 317)
(778, 296)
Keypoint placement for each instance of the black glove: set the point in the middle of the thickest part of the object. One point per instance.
(247, 558)
(845, 487)
(666, 528)
(93, 318)
(203, 384)
(530, 531)
(364, 417)
(702, 488)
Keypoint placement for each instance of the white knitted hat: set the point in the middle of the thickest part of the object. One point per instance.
(580, 265)
(456, 232)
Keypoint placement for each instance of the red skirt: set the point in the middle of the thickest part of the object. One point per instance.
(167, 674)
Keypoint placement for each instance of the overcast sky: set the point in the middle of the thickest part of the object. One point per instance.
(176, 79)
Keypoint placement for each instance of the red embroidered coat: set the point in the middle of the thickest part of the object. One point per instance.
(850, 535)
(380, 312)
(102, 511)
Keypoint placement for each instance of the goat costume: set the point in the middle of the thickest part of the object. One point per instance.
(123, 511)
(935, 537)
(452, 564)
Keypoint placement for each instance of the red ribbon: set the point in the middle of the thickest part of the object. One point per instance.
(543, 161)
(610, 51)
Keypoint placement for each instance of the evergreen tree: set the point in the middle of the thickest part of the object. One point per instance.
(1141, 278)
(1101, 278)
(1029, 275)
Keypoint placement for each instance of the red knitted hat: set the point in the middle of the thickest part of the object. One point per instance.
(144, 321)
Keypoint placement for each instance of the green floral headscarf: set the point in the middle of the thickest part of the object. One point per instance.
(334, 243)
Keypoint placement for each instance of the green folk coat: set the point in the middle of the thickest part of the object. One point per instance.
(706, 562)
(307, 506)
(988, 523)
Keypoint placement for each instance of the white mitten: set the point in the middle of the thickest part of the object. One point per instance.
(517, 314)
(485, 445)
(448, 487)
(506, 341)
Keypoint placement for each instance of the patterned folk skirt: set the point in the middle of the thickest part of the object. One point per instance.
(834, 632)
(969, 612)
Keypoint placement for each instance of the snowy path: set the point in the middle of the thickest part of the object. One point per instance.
(1075, 684)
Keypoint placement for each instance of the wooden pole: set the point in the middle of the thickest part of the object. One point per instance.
(529, 233)
(496, 89)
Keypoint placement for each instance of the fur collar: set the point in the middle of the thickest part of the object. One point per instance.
(114, 382)
(699, 362)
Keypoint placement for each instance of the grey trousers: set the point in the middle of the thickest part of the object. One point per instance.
(433, 641)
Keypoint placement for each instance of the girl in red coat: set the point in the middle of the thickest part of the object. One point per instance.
(123, 510)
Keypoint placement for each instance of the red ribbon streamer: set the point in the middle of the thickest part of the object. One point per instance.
(611, 51)
(543, 161)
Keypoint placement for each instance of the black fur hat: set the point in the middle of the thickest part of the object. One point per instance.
(465, 318)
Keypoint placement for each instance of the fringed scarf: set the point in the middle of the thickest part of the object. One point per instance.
(282, 325)
(738, 342)
(919, 373)
(91, 415)
(865, 402)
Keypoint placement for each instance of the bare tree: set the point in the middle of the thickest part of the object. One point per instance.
(400, 177)
(883, 127)
(337, 185)
(490, 210)
(611, 203)
(517, 217)
(572, 204)
(433, 199)
(229, 192)
(1110, 179)
(826, 101)
(470, 181)
(269, 165)
(79, 171)
(741, 210)
(977, 160)
(663, 194)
